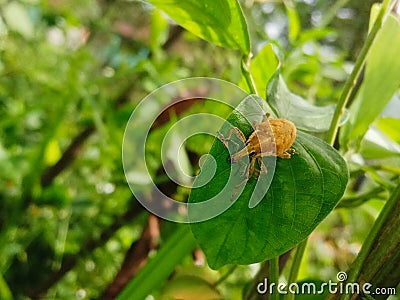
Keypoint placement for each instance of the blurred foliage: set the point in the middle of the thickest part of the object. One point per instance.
(71, 72)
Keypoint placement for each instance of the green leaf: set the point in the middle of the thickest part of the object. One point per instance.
(390, 126)
(304, 189)
(52, 152)
(219, 22)
(380, 266)
(381, 81)
(262, 68)
(157, 270)
(378, 260)
(292, 107)
(158, 33)
(377, 145)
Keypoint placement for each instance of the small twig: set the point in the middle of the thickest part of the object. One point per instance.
(135, 258)
(361, 199)
(370, 239)
(73, 150)
(294, 270)
(174, 35)
(69, 262)
(346, 95)
(274, 275)
(225, 276)
(247, 75)
(331, 13)
(67, 157)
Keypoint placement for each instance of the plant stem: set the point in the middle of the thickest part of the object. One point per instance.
(294, 270)
(343, 100)
(330, 14)
(226, 275)
(369, 241)
(361, 199)
(352, 79)
(247, 75)
(274, 276)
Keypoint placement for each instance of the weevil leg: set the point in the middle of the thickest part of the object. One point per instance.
(248, 172)
(252, 166)
(263, 167)
(237, 187)
(256, 173)
(239, 134)
(244, 171)
(226, 140)
(287, 154)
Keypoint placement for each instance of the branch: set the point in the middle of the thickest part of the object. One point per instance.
(135, 258)
(351, 81)
(73, 150)
(67, 157)
(68, 263)
(174, 35)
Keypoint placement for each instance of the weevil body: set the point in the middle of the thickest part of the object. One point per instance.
(269, 138)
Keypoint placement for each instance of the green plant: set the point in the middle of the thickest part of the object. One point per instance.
(307, 187)
(71, 72)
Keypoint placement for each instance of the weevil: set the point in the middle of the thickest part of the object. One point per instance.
(273, 137)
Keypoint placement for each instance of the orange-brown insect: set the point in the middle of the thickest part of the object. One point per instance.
(269, 138)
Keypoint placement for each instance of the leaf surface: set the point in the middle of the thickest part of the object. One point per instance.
(305, 115)
(303, 190)
(220, 22)
(262, 68)
(381, 81)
